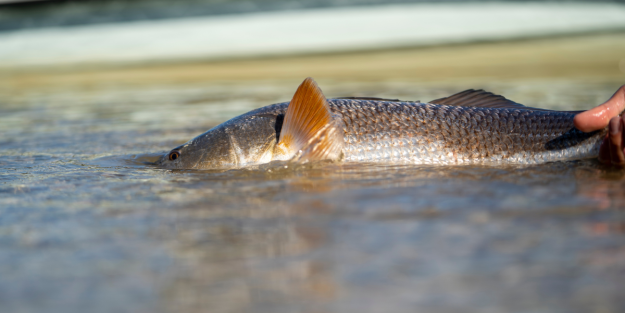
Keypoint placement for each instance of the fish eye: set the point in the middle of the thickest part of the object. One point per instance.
(174, 155)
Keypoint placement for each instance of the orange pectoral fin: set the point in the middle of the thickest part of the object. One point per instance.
(309, 131)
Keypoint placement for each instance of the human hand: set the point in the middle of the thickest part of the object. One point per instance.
(611, 151)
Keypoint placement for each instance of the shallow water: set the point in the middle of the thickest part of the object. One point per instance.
(87, 224)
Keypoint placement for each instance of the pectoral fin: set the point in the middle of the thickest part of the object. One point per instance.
(309, 131)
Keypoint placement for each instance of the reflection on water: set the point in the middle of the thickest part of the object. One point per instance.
(375, 238)
(87, 224)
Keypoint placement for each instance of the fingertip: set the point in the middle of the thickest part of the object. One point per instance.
(591, 120)
(581, 121)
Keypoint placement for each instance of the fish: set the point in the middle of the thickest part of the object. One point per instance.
(470, 127)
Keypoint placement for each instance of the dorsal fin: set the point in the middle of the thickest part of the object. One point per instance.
(481, 98)
(309, 131)
(370, 98)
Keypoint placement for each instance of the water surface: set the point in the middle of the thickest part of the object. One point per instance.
(87, 224)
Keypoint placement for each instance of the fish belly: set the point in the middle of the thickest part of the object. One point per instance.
(420, 150)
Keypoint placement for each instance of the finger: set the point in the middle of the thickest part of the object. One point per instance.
(604, 151)
(620, 147)
(593, 119)
(616, 141)
(599, 117)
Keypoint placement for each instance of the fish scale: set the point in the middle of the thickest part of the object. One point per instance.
(423, 133)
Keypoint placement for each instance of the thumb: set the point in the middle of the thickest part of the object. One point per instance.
(599, 117)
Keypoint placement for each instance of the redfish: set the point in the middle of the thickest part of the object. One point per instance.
(470, 127)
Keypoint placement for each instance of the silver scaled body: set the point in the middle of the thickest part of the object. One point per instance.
(401, 132)
(423, 133)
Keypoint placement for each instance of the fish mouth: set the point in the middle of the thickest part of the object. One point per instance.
(161, 160)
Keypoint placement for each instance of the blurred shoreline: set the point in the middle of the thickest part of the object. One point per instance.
(584, 57)
(31, 14)
(301, 33)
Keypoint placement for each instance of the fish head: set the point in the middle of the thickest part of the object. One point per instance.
(301, 130)
(245, 140)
